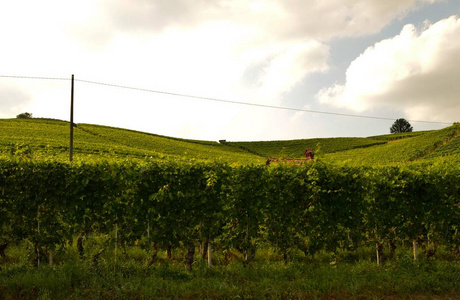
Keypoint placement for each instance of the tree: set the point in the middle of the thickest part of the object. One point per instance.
(401, 125)
(25, 115)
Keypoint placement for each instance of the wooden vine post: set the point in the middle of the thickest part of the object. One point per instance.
(50, 257)
(37, 245)
(116, 239)
(377, 250)
(209, 255)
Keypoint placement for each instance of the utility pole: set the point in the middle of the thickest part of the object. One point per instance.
(71, 121)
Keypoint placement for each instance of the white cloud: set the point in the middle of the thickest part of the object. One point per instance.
(268, 72)
(280, 19)
(342, 18)
(252, 51)
(414, 71)
(289, 67)
(13, 100)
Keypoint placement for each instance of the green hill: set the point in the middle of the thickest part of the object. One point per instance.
(296, 148)
(398, 136)
(46, 138)
(380, 150)
(405, 148)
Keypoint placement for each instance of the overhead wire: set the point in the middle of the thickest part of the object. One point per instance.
(251, 104)
(219, 99)
(34, 77)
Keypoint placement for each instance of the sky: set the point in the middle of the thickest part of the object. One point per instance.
(344, 68)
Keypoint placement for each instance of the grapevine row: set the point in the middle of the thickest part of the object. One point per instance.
(167, 205)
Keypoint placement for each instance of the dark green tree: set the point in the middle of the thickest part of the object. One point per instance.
(25, 115)
(401, 125)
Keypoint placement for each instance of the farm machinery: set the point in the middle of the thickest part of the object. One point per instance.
(309, 157)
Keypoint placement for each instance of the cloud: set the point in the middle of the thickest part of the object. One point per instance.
(281, 69)
(324, 20)
(279, 19)
(251, 51)
(415, 72)
(266, 46)
(13, 101)
(144, 15)
(94, 24)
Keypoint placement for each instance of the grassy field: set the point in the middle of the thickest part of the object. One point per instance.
(296, 148)
(44, 138)
(376, 150)
(127, 275)
(110, 270)
(408, 149)
(50, 138)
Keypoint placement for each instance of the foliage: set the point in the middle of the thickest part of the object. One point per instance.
(51, 138)
(25, 115)
(401, 125)
(45, 138)
(449, 148)
(401, 150)
(132, 189)
(399, 136)
(144, 143)
(296, 148)
(126, 277)
(314, 207)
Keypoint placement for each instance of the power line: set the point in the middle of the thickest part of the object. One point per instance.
(251, 104)
(34, 77)
(221, 100)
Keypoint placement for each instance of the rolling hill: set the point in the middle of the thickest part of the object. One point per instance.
(296, 148)
(409, 148)
(44, 138)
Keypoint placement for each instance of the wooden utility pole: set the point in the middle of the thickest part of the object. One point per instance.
(71, 121)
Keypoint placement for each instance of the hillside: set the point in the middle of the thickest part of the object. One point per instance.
(405, 148)
(45, 138)
(296, 148)
(383, 149)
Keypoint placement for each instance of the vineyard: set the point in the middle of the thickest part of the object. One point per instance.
(409, 149)
(399, 136)
(296, 148)
(131, 190)
(316, 207)
(44, 138)
(448, 149)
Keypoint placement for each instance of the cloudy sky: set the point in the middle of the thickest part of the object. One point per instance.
(328, 59)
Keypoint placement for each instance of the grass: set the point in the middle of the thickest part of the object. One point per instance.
(399, 136)
(417, 147)
(120, 275)
(44, 138)
(127, 276)
(145, 143)
(452, 147)
(296, 148)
